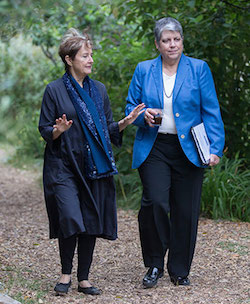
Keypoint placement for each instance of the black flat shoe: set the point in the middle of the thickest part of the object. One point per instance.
(180, 281)
(152, 276)
(61, 288)
(89, 290)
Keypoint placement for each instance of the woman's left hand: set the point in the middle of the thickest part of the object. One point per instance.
(129, 119)
(214, 160)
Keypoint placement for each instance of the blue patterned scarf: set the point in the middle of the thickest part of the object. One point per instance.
(88, 103)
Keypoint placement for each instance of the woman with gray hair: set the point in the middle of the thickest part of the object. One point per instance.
(77, 124)
(178, 93)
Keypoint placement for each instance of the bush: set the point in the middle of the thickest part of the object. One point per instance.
(129, 190)
(226, 190)
(25, 72)
(30, 142)
(225, 194)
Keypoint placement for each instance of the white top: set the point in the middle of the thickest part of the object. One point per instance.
(168, 122)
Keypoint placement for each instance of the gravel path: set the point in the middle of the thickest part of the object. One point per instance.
(29, 263)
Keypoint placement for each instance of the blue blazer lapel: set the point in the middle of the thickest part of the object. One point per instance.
(181, 75)
(157, 74)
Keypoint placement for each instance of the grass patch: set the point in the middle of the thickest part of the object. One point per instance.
(21, 288)
(234, 247)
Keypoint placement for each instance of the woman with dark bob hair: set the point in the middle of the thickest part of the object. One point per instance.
(77, 124)
(171, 172)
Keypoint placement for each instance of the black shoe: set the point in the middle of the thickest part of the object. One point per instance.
(152, 276)
(180, 281)
(61, 288)
(89, 290)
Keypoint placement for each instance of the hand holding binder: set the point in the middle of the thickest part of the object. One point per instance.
(202, 142)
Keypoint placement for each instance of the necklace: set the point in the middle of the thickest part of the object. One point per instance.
(168, 96)
(172, 81)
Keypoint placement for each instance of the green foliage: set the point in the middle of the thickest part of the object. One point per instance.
(128, 184)
(199, 19)
(218, 32)
(30, 142)
(16, 281)
(122, 30)
(225, 194)
(234, 247)
(23, 79)
(226, 191)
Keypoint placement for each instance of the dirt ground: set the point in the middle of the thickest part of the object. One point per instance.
(29, 263)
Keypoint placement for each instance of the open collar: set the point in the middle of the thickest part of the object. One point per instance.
(182, 71)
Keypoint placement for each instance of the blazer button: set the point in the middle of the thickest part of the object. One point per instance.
(182, 136)
(177, 114)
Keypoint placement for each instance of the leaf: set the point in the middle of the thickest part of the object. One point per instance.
(216, 60)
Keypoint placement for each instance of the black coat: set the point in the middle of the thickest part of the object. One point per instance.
(74, 203)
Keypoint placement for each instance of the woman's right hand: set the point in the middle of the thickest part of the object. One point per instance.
(130, 118)
(62, 125)
(149, 116)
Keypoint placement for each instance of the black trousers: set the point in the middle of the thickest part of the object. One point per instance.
(168, 218)
(85, 249)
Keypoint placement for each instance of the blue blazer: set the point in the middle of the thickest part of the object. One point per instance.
(194, 101)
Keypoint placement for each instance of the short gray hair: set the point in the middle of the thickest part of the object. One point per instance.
(169, 24)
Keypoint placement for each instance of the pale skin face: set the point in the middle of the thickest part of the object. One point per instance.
(81, 65)
(170, 46)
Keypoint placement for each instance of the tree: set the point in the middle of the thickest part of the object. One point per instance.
(218, 32)
(122, 30)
